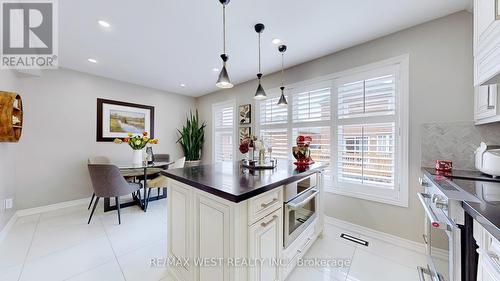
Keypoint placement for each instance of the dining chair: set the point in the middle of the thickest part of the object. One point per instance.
(108, 182)
(161, 181)
(96, 160)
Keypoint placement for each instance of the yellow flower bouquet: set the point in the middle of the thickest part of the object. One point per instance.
(137, 142)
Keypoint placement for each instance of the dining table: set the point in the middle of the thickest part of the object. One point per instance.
(132, 171)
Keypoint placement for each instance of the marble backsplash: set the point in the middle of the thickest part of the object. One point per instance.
(456, 141)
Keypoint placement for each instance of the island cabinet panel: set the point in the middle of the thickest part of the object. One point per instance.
(180, 229)
(265, 244)
(212, 238)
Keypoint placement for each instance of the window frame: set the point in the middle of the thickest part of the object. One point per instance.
(215, 130)
(399, 197)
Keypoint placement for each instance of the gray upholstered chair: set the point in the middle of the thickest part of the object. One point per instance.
(96, 160)
(108, 182)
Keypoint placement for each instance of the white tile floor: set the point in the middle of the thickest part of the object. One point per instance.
(59, 245)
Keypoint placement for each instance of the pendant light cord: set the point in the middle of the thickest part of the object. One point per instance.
(224, 28)
(259, 56)
(282, 69)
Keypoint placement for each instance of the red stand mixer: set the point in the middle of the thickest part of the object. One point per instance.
(302, 152)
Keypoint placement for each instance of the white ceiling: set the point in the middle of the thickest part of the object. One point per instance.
(163, 43)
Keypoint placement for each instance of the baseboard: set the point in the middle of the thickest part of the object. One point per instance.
(52, 207)
(7, 227)
(39, 210)
(388, 238)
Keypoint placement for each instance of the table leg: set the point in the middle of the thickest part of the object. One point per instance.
(145, 187)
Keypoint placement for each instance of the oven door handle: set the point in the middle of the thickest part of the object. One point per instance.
(430, 214)
(295, 205)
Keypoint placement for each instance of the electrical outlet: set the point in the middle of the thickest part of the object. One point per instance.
(8, 203)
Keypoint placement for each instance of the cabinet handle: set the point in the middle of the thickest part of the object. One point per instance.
(265, 205)
(264, 224)
(490, 106)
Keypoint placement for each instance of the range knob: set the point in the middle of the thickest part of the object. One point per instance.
(440, 201)
(423, 182)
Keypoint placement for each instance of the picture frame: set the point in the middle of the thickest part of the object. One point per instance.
(244, 132)
(115, 119)
(497, 9)
(245, 113)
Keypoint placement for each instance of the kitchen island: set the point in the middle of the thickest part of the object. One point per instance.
(226, 222)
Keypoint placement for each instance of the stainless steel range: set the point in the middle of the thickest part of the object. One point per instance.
(441, 202)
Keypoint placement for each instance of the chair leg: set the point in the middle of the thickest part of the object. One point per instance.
(146, 200)
(158, 197)
(93, 209)
(91, 199)
(117, 201)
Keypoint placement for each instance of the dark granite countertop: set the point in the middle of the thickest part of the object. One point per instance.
(484, 188)
(462, 174)
(234, 183)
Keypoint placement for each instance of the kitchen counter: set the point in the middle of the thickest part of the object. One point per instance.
(231, 182)
(462, 174)
(233, 217)
(483, 187)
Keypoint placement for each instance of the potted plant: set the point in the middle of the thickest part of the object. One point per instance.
(192, 138)
(137, 143)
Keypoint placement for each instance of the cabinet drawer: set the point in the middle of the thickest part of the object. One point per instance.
(264, 204)
(298, 248)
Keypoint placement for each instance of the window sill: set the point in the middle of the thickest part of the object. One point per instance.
(400, 202)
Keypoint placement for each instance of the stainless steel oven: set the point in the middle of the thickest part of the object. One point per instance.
(444, 220)
(300, 207)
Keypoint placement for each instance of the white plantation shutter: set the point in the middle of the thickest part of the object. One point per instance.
(370, 97)
(311, 106)
(271, 113)
(367, 137)
(223, 141)
(366, 154)
(310, 110)
(278, 140)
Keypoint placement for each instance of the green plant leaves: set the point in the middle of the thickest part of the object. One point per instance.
(192, 137)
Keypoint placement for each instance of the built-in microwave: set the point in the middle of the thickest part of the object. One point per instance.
(300, 207)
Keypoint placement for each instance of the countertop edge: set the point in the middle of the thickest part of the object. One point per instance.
(480, 218)
(245, 196)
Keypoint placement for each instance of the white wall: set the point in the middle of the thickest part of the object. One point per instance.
(59, 132)
(8, 83)
(441, 74)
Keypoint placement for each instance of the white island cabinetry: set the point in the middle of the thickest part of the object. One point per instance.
(214, 239)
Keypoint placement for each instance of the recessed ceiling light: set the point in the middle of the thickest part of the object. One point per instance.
(215, 69)
(183, 85)
(92, 60)
(104, 23)
(276, 41)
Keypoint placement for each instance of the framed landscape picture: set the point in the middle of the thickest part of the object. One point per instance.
(245, 132)
(245, 113)
(497, 9)
(115, 119)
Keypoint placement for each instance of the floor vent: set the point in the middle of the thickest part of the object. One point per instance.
(354, 239)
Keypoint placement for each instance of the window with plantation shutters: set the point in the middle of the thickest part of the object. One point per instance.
(311, 106)
(223, 131)
(370, 140)
(308, 113)
(273, 127)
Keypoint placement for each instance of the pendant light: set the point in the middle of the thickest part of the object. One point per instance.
(260, 94)
(224, 82)
(282, 102)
